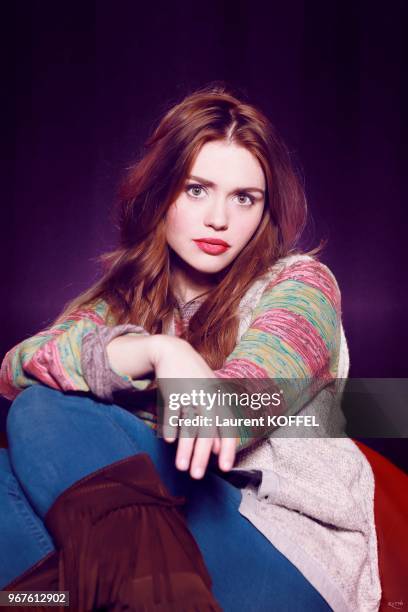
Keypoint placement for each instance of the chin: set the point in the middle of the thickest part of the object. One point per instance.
(202, 263)
(209, 268)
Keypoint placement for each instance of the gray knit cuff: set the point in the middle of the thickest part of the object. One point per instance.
(102, 380)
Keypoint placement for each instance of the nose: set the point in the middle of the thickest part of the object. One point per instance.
(216, 215)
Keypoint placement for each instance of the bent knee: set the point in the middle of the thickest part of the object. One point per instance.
(39, 408)
(32, 405)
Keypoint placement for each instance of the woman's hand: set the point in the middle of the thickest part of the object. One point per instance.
(174, 358)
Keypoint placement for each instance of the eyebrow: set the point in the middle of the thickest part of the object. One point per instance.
(211, 184)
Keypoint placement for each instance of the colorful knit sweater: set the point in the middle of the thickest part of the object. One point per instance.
(293, 333)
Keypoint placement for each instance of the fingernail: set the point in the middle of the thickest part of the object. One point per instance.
(226, 465)
(197, 472)
(182, 464)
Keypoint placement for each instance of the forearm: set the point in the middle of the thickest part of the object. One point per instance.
(138, 356)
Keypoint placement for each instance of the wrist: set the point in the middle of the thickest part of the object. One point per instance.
(160, 346)
(129, 355)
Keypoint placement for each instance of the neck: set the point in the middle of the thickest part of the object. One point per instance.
(188, 283)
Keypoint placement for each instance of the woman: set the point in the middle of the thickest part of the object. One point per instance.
(206, 283)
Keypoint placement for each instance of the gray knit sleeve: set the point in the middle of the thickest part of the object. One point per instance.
(102, 380)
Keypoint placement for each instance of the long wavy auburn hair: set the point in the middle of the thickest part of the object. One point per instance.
(136, 279)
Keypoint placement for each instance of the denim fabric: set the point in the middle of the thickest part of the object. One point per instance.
(55, 439)
(23, 539)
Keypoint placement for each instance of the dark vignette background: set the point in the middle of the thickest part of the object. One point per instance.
(83, 83)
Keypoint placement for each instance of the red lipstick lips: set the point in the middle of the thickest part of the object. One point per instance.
(212, 246)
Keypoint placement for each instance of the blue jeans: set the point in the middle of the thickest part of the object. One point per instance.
(55, 439)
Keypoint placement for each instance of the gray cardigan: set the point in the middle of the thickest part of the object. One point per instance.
(315, 498)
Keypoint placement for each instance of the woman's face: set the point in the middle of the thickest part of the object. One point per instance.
(221, 202)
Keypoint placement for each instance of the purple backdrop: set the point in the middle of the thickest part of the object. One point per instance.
(86, 81)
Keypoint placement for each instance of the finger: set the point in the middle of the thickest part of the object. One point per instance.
(170, 418)
(216, 445)
(227, 453)
(202, 452)
(184, 452)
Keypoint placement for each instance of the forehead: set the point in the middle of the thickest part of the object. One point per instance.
(229, 164)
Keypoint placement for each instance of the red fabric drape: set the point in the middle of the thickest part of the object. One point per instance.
(391, 520)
